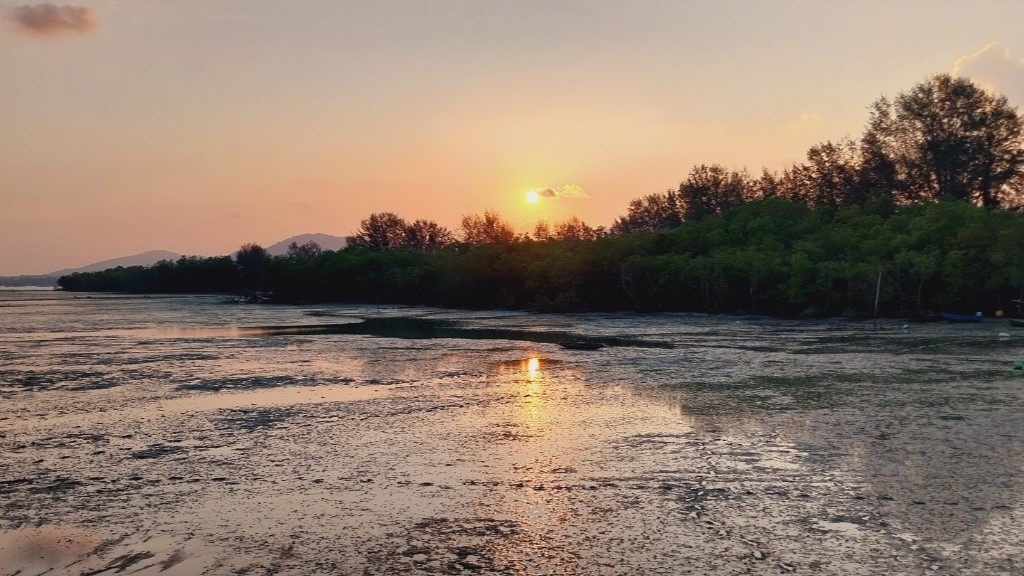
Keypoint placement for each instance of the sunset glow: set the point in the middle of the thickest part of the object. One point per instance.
(195, 127)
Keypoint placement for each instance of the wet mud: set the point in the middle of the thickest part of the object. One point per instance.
(751, 445)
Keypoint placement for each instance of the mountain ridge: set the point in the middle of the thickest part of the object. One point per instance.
(150, 257)
(147, 258)
(326, 241)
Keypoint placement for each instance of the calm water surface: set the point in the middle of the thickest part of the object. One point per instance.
(183, 435)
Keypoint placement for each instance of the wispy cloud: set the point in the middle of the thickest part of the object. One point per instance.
(52, 19)
(811, 117)
(567, 191)
(995, 69)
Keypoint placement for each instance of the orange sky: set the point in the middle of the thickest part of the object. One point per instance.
(196, 126)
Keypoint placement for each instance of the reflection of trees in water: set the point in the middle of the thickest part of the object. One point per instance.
(940, 456)
(941, 476)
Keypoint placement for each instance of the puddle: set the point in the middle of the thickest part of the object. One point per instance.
(52, 549)
(846, 528)
(409, 328)
(45, 548)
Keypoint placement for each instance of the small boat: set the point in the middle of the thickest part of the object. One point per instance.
(950, 317)
(1017, 322)
(580, 345)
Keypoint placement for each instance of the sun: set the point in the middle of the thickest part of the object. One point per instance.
(532, 197)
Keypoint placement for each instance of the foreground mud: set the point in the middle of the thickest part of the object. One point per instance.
(749, 446)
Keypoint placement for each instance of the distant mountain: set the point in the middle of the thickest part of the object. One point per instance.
(35, 281)
(326, 241)
(144, 259)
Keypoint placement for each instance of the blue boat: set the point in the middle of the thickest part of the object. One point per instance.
(949, 316)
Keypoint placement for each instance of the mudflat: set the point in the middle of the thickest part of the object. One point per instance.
(184, 436)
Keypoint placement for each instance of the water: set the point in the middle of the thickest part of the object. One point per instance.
(182, 435)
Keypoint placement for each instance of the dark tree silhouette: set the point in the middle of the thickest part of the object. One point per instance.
(380, 231)
(710, 189)
(490, 228)
(251, 259)
(427, 236)
(946, 139)
(574, 229)
(832, 176)
(304, 251)
(659, 211)
(541, 231)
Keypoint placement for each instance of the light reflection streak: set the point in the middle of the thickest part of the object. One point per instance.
(540, 507)
(532, 409)
(533, 366)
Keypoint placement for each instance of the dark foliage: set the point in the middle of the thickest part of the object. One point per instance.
(947, 139)
(772, 256)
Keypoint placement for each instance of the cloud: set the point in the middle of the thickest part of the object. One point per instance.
(811, 117)
(567, 191)
(995, 69)
(52, 19)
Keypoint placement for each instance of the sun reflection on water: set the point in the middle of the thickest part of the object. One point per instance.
(541, 465)
(531, 396)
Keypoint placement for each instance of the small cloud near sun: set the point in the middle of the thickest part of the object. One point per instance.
(52, 19)
(567, 191)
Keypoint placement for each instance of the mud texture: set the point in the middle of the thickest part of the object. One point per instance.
(180, 436)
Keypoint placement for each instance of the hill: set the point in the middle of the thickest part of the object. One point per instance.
(144, 259)
(34, 281)
(326, 241)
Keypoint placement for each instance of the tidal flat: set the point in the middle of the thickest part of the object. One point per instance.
(184, 436)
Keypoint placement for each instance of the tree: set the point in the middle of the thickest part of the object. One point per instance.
(574, 228)
(490, 228)
(381, 231)
(767, 186)
(250, 259)
(657, 211)
(306, 251)
(831, 176)
(710, 190)
(542, 231)
(946, 139)
(427, 236)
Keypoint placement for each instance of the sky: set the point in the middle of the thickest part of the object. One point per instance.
(196, 126)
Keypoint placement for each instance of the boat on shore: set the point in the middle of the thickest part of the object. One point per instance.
(1017, 322)
(951, 317)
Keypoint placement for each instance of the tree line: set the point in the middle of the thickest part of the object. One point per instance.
(928, 198)
(945, 139)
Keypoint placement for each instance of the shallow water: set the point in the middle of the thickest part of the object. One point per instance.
(181, 435)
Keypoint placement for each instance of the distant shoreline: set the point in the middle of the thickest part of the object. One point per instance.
(28, 288)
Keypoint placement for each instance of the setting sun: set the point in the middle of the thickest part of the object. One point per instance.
(532, 197)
